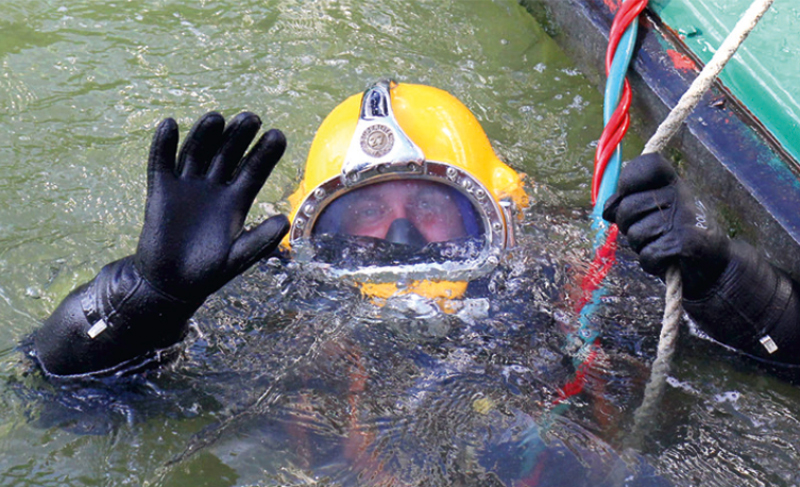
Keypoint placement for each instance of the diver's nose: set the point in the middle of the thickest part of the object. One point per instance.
(402, 231)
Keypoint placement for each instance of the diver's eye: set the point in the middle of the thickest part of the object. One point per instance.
(426, 205)
(369, 212)
(430, 204)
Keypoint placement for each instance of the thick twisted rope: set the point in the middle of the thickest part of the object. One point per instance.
(668, 128)
(583, 344)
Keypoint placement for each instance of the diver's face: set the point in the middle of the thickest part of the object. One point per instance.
(429, 207)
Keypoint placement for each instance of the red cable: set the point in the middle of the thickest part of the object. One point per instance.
(627, 14)
(575, 386)
(612, 135)
(619, 123)
(604, 259)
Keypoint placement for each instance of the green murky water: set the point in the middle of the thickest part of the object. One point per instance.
(82, 87)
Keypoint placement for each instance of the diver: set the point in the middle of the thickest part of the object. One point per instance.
(367, 177)
(446, 211)
(402, 194)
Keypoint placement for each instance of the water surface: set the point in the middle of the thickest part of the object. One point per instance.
(263, 393)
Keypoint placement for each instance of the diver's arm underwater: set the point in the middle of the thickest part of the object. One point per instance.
(192, 243)
(732, 292)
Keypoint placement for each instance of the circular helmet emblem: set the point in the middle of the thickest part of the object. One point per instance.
(377, 140)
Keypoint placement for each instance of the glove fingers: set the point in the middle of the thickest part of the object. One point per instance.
(200, 145)
(650, 171)
(611, 207)
(656, 257)
(637, 206)
(255, 244)
(162, 152)
(237, 137)
(258, 164)
(646, 230)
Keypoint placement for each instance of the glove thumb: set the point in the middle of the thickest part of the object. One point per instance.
(254, 244)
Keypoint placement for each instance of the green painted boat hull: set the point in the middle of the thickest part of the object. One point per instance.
(738, 163)
(765, 72)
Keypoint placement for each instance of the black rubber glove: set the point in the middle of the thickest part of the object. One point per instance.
(729, 290)
(192, 243)
(666, 226)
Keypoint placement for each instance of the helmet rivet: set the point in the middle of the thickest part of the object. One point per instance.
(497, 226)
(468, 185)
(382, 168)
(319, 193)
(352, 176)
(412, 167)
(309, 209)
(299, 223)
(452, 174)
(480, 194)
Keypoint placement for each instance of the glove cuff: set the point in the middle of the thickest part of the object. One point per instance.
(752, 307)
(110, 323)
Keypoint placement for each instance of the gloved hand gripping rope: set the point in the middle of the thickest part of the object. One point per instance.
(607, 168)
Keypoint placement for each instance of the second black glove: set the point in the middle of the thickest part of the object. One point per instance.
(666, 225)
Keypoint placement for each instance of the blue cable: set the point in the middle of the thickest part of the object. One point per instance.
(613, 92)
(587, 332)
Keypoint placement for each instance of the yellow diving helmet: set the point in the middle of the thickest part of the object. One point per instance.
(408, 165)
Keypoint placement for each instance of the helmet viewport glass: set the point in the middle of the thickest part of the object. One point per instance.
(398, 222)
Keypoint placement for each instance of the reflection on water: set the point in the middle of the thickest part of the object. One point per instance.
(405, 393)
(301, 379)
(287, 381)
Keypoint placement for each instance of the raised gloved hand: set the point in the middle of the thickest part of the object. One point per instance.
(666, 226)
(192, 243)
